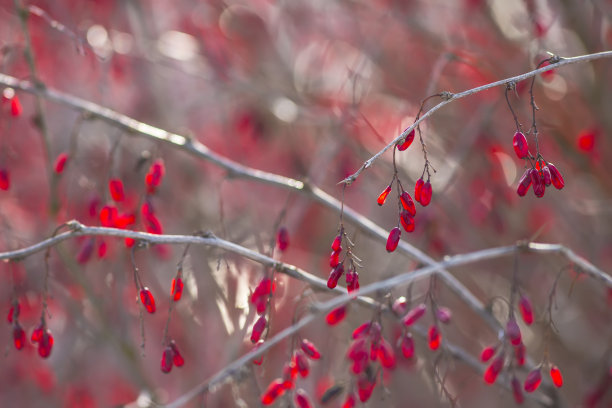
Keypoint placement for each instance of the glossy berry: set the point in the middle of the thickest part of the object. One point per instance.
(60, 162)
(365, 386)
(513, 332)
(166, 360)
(19, 336)
(335, 276)
(147, 299)
(555, 375)
(336, 316)
(407, 142)
(418, 188)
(487, 353)
(426, 193)
(393, 240)
(115, 186)
(16, 108)
(491, 373)
(282, 239)
(258, 328)
(524, 183)
(414, 314)
(334, 259)
(526, 310)
(556, 177)
(302, 400)
(517, 392)
(259, 297)
(434, 337)
(407, 203)
(521, 148)
(383, 196)
(310, 350)
(176, 290)
(337, 244)
(407, 221)
(407, 345)
(274, 390)
(177, 357)
(533, 380)
(108, 216)
(5, 179)
(45, 344)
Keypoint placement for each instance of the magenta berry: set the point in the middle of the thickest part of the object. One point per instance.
(444, 314)
(513, 332)
(521, 148)
(393, 240)
(491, 373)
(414, 314)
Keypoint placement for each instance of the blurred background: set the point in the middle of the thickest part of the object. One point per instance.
(308, 90)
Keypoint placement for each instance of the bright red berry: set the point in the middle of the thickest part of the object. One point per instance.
(426, 193)
(407, 142)
(393, 240)
(386, 355)
(177, 358)
(115, 186)
(362, 330)
(147, 299)
(309, 348)
(45, 344)
(334, 259)
(334, 276)
(555, 375)
(176, 290)
(274, 390)
(108, 216)
(37, 333)
(282, 238)
(407, 221)
(533, 380)
(434, 337)
(16, 108)
(487, 353)
(337, 244)
(383, 196)
(418, 188)
(349, 402)
(414, 314)
(493, 370)
(19, 336)
(258, 328)
(60, 162)
(336, 316)
(5, 179)
(166, 360)
(521, 148)
(302, 364)
(526, 310)
(407, 203)
(556, 177)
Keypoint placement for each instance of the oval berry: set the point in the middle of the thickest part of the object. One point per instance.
(147, 299)
(521, 148)
(407, 141)
(393, 240)
(383, 196)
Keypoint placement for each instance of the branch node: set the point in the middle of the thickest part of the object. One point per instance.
(447, 96)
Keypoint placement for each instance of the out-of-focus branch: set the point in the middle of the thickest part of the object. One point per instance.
(449, 97)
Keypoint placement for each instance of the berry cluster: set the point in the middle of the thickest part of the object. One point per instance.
(260, 298)
(337, 264)
(40, 334)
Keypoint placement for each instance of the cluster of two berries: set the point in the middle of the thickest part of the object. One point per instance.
(41, 334)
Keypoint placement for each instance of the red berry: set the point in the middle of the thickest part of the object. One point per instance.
(259, 359)
(301, 399)
(115, 186)
(517, 392)
(290, 372)
(13, 313)
(259, 297)
(383, 196)
(147, 299)
(5, 179)
(407, 221)
(533, 380)
(176, 290)
(258, 328)
(487, 353)
(37, 333)
(556, 177)
(154, 176)
(386, 355)
(302, 364)
(311, 351)
(434, 337)
(45, 344)
(362, 330)
(282, 238)
(274, 390)
(365, 386)
(393, 240)
(555, 375)
(108, 216)
(335, 276)
(414, 314)
(349, 402)
(494, 369)
(166, 360)
(521, 148)
(526, 311)
(337, 244)
(407, 203)
(336, 316)
(60, 162)
(177, 358)
(407, 141)
(426, 193)
(352, 281)
(524, 183)
(16, 108)
(513, 332)
(418, 187)
(407, 345)
(334, 259)
(519, 354)
(547, 176)
(19, 336)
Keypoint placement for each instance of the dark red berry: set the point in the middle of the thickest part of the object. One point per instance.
(166, 360)
(526, 310)
(519, 354)
(147, 299)
(407, 345)
(258, 328)
(517, 392)
(513, 332)
(524, 183)
(393, 240)
(352, 281)
(45, 344)
(115, 186)
(407, 221)
(302, 400)
(521, 148)
(426, 193)
(5, 179)
(154, 176)
(556, 177)
(19, 336)
(407, 203)
(418, 187)
(547, 176)
(407, 142)
(302, 364)
(494, 369)
(335, 276)
(533, 380)
(337, 244)
(309, 348)
(538, 183)
(282, 238)
(274, 390)
(176, 290)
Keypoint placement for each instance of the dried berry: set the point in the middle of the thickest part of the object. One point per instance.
(154, 176)
(383, 196)
(521, 148)
(13, 313)
(147, 299)
(487, 353)
(547, 176)
(393, 240)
